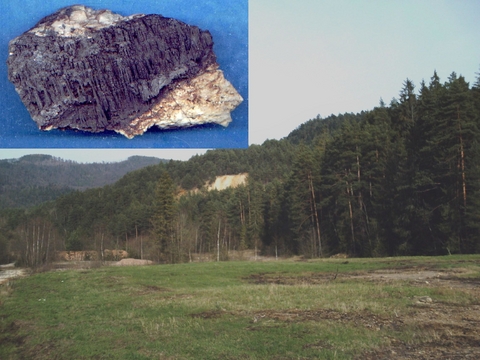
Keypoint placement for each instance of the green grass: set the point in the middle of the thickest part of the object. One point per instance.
(212, 310)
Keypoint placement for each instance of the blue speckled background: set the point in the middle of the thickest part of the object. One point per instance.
(226, 20)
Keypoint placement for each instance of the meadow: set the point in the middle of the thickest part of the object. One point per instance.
(383, 308)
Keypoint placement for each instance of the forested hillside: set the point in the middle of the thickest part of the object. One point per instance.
(401, 179)
(34, 179)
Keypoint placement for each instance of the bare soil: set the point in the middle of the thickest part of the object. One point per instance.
(445, 330)
(421, 275)
(453, 331)
(9, 271)
(132, 262)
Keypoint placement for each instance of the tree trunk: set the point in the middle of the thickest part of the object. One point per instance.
(218, 241)
(352, 229)
(101, 249)
(136, 238)
(317, 222)
(462, 161)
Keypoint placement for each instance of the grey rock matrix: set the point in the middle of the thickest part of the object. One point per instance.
(95, 70)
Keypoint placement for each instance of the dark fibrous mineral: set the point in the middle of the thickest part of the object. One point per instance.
(94, 70)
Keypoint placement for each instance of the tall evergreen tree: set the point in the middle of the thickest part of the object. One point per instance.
(422, 191)
(456, 166)
(273, 239)
(163, 218)
(302, 204)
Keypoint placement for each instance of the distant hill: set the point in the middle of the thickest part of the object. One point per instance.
(312, 129)
(33, 179)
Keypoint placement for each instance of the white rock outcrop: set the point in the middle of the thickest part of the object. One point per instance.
(228, 181)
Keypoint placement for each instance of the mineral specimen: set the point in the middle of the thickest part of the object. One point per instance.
(94, 70)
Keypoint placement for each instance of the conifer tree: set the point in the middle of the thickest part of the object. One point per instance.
(302, 204)
(344, 189)
(456, 166)
(421, 190)
(273, 225)
(163, 218)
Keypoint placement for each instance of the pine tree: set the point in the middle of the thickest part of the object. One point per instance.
(255, 221)
(348, 183)
(302, 204)
(163, 218)
(378, 158)
(457, 165)
(421, 190)
(272, 210)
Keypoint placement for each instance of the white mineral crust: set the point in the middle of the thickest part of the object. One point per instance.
(79, 20)
(207, 98)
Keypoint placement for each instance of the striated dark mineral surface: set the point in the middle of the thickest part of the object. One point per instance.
(93, 70)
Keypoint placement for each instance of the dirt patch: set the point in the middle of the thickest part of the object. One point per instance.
(363, 318)
(112, 281)
(132, 262)
(212, 314)
(445, 330)
(280, 279)
(78, 265)
(435, 350)
(152, 289)
(8, 273)
(414, 275)
(9, 335)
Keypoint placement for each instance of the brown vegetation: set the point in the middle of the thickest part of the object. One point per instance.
(108, 255)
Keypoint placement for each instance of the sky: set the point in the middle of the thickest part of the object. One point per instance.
(323, 57)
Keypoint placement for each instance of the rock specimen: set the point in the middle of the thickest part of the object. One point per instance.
(94, 70)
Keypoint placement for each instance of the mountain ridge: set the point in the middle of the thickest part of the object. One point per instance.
(30, 180)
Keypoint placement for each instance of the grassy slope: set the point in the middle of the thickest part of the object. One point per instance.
(207, 311)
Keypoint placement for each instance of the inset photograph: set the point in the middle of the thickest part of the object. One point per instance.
(122, 75)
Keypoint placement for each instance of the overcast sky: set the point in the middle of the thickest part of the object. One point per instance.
(310, 57)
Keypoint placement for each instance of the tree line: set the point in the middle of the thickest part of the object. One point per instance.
(401, 179)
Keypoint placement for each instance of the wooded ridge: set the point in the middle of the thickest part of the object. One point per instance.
(33, 179)
(401, 179)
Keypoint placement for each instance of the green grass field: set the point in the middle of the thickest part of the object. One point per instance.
(319, 309)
